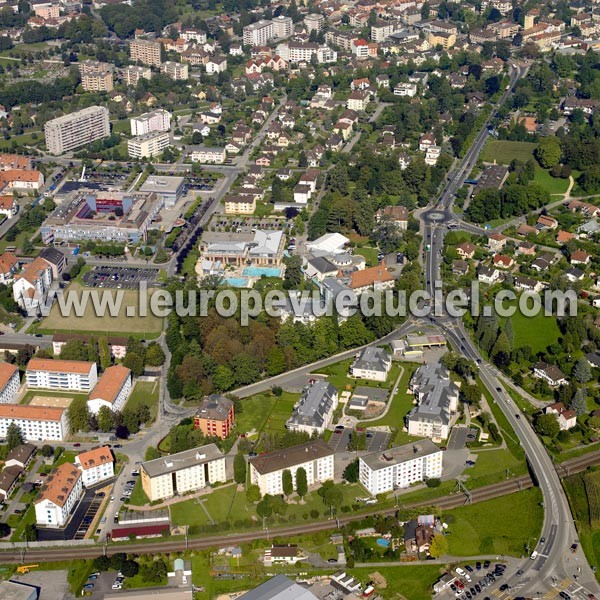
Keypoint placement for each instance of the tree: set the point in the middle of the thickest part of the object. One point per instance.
(152, 453)
(582, 371)
(264, 508)
(239, 468)
(548, 152)
(4, 530)
(130, 568)
(253, 493)
(438, 546)
(105, 419)
(155, 357)
(47, 451)
(301, 482)
(579, 402)
(79, 415)
(14, 436)
(30, 532)
(351, 472)
(287, 483)
(135, 362)
(547, 425)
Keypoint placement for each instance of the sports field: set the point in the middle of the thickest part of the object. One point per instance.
(52, 401)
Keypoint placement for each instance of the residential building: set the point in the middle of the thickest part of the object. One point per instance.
(112, 390)
(282, 26)
(258, 34)
(21, 456)
(32, 284)
(156, 120)
(496, 242)
(215, 416)
(381, 30)
(466, 250)
(567, 419)
(9, 382)
(288, 554)
(60, 494)
(9, 479)
(147, 52)
(441, 38)
(314, 22)
(183, 472)
(396, 214)
(133, 73)
(175, 70)
(95, 465)
(405, 89)
(372, 363)
(56, 259)
(204, 154)
(488, 275)
(263, 248)
(240, 204)
(77, 129)
(193, 35)
(315, 457)
(73, 375)
(216, 64)
(437, 402)
(551, 374)
(314, 410)
(96, 76)
(400, 467)
(358, 100)
(148, 145)
(279, 587)
(8, 206)
(376, 278)
(37, 423)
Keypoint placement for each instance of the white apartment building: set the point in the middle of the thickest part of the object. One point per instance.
(37, 423)
(216, 64)
(183, 472)
(59, 496)
(259, 33)
(133, 73)
(9, 383)
(77, 129)
(112, 389)
(31, 285)
(193, 35)
(215, 156)
(156, 120)
(405, 89)
(148, 52)
(148, 145)
(315, 457)
(95, 465)
(282, 26)
(72, 375)
(400, 467)
(175, 70)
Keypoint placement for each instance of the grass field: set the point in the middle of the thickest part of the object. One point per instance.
(338, 375)
(91, 321)
(491, 466)
(31, 393)
(370, 255)
(145, 392)
(254, 413)
(491, 527)
(538, 332)
(583, 492)
(138, 496)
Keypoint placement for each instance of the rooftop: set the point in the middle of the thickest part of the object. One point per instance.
(60, 366)
(59, 484)
(215, 407)
(289, 457)
(399, 454)
(279, 588)
(314, 405)
(182, 460)
(95, 457)
(110, 384)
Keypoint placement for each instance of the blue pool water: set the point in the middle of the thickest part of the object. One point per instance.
(259, 271)
(383, 542)
(236, 281)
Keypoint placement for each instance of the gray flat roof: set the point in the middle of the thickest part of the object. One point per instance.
(399, 454)
(372, 393)
(10, 590)
(182, 460)
(162, 184)
(289, 457)
(279, 588)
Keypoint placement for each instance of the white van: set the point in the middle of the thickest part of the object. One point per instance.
(533, 555)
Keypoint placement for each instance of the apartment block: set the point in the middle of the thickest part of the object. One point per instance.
(59, 496)
(155, 120)
(9, 382)
(77, 129)
(282, 26)
(148, 145)
(148, 52)
(95, 465)
(112, 390)
(31, 285)
(72, 375)
(175, 70)
(133, 73)
(37, 423)
(400, 467)
(205, 154)
(183, 472)
(315, 457)
(215, 416)
(259, 33)
(98, 81)
(314, 22)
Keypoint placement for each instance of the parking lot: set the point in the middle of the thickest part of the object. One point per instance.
(376, 440)
(247, 225)
(203, 184)
(460, 436)
(88, 517)
(119, 277)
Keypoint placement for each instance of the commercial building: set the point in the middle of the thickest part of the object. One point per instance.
(215, 416)
(95, 465)
(167, 188)
(315, 457)
(183, 472)
(259, 33)
(204, 154)
(437, 402)
(175, 70)
(148, 145)
(77, 129)
(156, 120)
(279, 587)
(9, 382)
(37, 423)
(263, 248)
(400, 467)
(112, 389)
(71, 375)
(314, 410)
(148, 52)
(14, 590)
(372, 363)
(59, 496)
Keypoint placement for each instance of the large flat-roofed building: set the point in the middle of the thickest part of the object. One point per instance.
(37, 423)
(314, 410)
(279, 587)
(167, 188)
(153, 594)
(9, 382)
(133, 73)
(155, 120)
(95, 465)
(59, 496)
(14, 590)
(263, 248)
(183, 472)
(71, 375)
(282, 26)
(400, 467)
(97, 81)
(258, 34)
(148, 144)
(315, 457)
(77, 129)
(148, 52)
(112, 389)
(437, 402)
(215, 416)
(175, 70)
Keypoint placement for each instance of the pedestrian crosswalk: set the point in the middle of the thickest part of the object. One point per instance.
(560, 586)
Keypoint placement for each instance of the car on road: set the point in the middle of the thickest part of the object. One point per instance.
(504, 587)
(542, 540)
(477, 564)
(486, 564)
(88, 586)
(469, 568)
(76, 445)
(565, 596)
(519, 573)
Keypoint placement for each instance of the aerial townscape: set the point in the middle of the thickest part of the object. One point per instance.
(234, 235)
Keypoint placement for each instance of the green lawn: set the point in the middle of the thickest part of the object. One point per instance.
(337, 374)
(554, 185)
(138, 496)
(538, 332)
(29, 395)
(504, 151)
(411, 581)
(491, 466)
(280, 412)
(370, 255)
(494, 526)
(145, 392)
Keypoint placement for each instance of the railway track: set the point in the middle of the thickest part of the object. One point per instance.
(488, 492)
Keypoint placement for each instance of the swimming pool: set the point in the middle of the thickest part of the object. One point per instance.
(260, 271)
(237, 281)
(383, 542)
